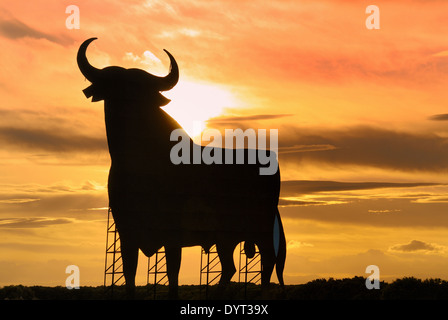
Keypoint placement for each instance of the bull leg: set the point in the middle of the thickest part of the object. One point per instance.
(129, 254)
(225, 253)
(173, 258)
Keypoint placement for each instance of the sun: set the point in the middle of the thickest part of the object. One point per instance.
(193, 103)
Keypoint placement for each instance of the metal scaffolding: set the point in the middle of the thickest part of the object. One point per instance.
(249, 268)
(113, 270)
(210, 269)
(157, 271)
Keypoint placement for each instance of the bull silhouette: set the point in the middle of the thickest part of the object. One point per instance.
(156, 203)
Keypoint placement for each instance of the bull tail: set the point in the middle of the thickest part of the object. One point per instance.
(279, 243)
(279, 247)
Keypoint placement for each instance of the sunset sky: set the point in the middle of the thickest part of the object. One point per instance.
(362, 119)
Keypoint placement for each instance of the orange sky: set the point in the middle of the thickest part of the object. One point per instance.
(363, 109)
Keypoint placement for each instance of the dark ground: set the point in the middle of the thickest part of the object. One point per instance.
(319, 289)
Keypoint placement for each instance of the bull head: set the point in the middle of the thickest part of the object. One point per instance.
(126, 84)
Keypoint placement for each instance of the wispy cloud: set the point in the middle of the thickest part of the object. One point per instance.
(439, 117)
(306, 148)
(287, 202)
(13, 28)
(18, 200)
(303, 187)
(50, 140)
(294, 244)
(417, 246)
(28, 201)
(368, 146)
(441, 54)
(247, 118)
(35, 222)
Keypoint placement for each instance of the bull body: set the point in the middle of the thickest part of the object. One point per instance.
(156, 203)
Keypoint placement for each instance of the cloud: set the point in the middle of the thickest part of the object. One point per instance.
(62, 140)
(355, 146)
(384, 211)
(54, 189)
(52, 201)
(247, 118)
(306, 148)
(364, 203)
(79, 205)
(36, 222)
(147, 58)
(432, 199)
(367, 146)
(302, 187)
(18, 201)
(292, 202)
(191, 33)
(441, 54)
(439, 117)
(391, 265)
(268, 39)
(356, 209)
(13, 28)
(417, 246)
(294, 244)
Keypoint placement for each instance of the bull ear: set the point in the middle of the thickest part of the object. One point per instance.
(161, 100)
(95, 91)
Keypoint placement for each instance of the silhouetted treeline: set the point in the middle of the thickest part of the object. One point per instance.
(319, 289)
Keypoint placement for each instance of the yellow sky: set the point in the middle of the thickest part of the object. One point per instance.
(361, 115)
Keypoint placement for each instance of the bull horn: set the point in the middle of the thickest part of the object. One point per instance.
(169, 81)
(91, 73)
